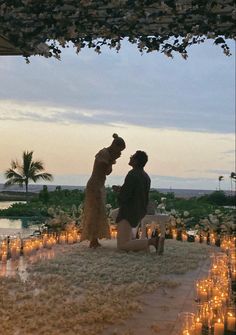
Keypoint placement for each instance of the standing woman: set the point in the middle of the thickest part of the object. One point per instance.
(94, 223)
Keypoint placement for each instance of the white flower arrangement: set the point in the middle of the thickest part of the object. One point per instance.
(186, 213)
(65, 295)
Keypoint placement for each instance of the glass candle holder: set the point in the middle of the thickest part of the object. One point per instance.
(233, 272)
(219, 327)
(197, 238)
(217, 321)
(231, 318)
(186, 323)
(198, 324)
(203, 290)
(232, 256)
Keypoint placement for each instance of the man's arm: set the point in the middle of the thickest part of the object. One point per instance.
(126, 191)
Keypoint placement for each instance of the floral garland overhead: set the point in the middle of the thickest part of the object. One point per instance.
(168, 26)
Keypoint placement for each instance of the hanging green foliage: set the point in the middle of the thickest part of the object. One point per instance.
(45, 27)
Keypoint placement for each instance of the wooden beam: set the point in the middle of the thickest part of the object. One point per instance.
(7, 49)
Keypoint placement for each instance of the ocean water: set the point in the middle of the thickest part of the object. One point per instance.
(185, 193)
(7, 204)
(15, 227)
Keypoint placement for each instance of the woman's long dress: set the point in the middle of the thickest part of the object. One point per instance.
(94, 223)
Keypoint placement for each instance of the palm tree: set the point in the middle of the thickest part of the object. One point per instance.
(21, 174)
(220, 178)
(232, 178)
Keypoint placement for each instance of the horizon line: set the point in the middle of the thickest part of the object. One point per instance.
(84, 186)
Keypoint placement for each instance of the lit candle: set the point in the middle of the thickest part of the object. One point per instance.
(186, 332)
(206, 315)
(18, 252)
(45, 240)
(50, 242)
(4, 256)
(231, 322)
(70, 239)
(219, 328)
(13, 250)
(78, 237)
(214, 269)
(149, 232)
(174, 234)
(30, 248)
(203, 295)
(233, 259)
(233, 274)
(184, 237)
(62, 239)
(74, 236)
(198, 327)
(232, 253)
(197, 238)
(215, 291)
(113, 233)
(223, 297)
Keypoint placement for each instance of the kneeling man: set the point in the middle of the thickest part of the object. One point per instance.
(133, 201)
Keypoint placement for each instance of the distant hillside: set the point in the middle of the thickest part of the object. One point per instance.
(16, 193)
(184, 193)
(37, 188)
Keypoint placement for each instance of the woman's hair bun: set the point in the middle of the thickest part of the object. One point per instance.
(115, 136)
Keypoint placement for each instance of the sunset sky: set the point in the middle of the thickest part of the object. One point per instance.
(181, 112)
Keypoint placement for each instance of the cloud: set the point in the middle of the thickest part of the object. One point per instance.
(148, 90)
(22, 111)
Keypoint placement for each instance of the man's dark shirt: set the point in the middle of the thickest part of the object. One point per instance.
(133, 197)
